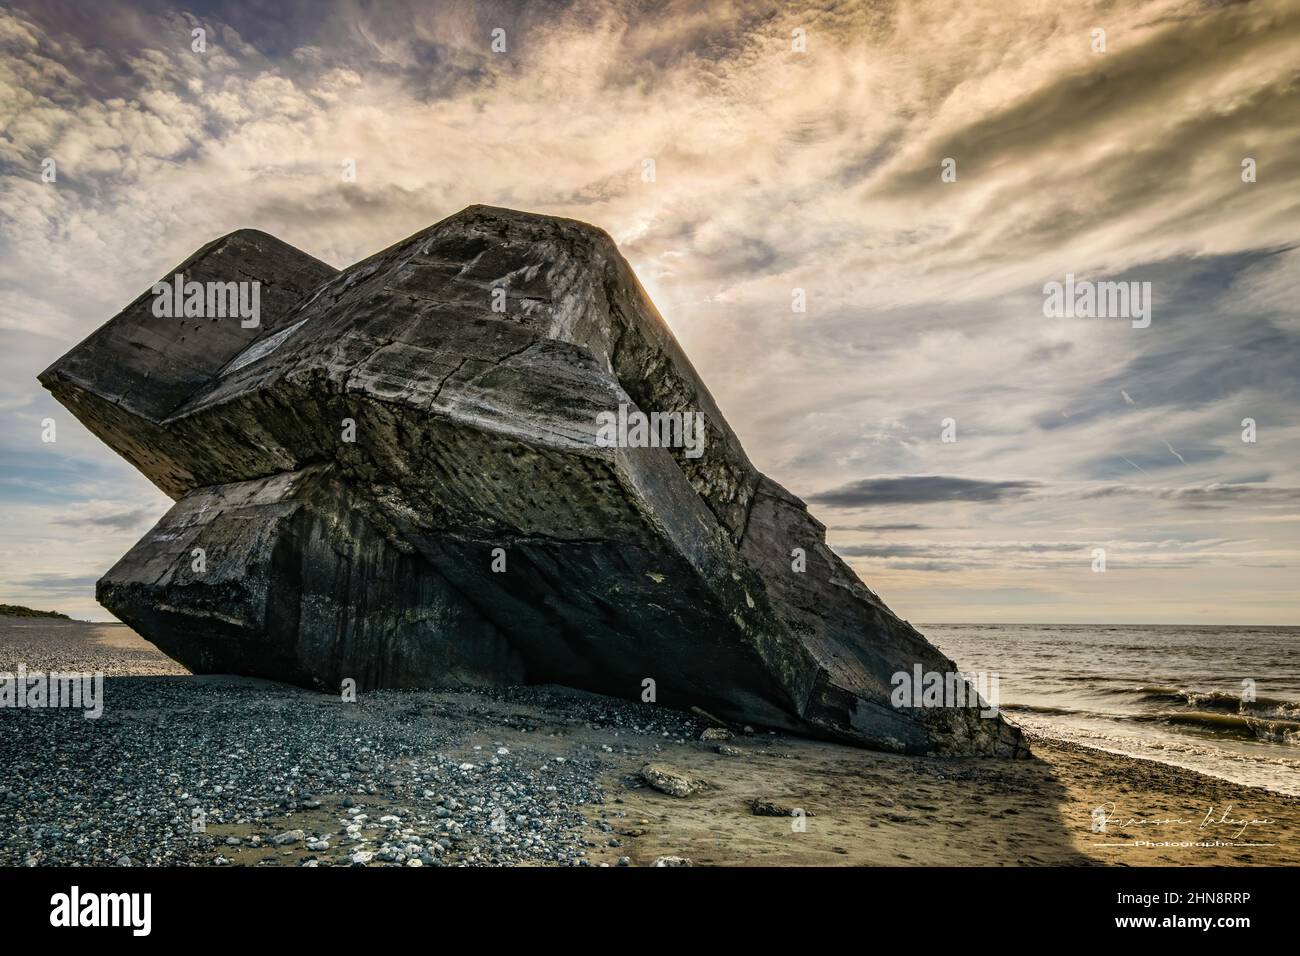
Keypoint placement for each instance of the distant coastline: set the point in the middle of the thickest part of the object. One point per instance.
(18, 610)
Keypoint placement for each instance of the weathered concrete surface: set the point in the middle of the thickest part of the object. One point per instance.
(476, 430)
(133, 371)
(301, 586)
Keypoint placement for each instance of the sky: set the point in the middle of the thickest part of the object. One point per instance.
(794, 147)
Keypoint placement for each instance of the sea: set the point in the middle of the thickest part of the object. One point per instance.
(1221, 700)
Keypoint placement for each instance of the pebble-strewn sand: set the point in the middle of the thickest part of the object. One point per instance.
(544, 776)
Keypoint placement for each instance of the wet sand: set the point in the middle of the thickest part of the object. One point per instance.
(874, 809)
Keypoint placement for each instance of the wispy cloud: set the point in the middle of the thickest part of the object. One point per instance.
(104, 514)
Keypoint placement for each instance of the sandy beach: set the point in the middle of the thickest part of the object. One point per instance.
(284, 776)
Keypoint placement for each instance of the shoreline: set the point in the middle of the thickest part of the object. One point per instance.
(1035, 735)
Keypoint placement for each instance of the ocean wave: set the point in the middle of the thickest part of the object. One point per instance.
(1237, 725)
(1274, 708)
(1035, 709)
(1246, 726)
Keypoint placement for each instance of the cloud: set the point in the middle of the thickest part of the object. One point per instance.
(938, 567)
(882, 528)
(909, 490)
(60, 583)
(105, 515)
(1217, 492)
(919, 489)
(912, 550)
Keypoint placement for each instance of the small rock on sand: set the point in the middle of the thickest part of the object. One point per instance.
(669, 781)
(767, 808)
